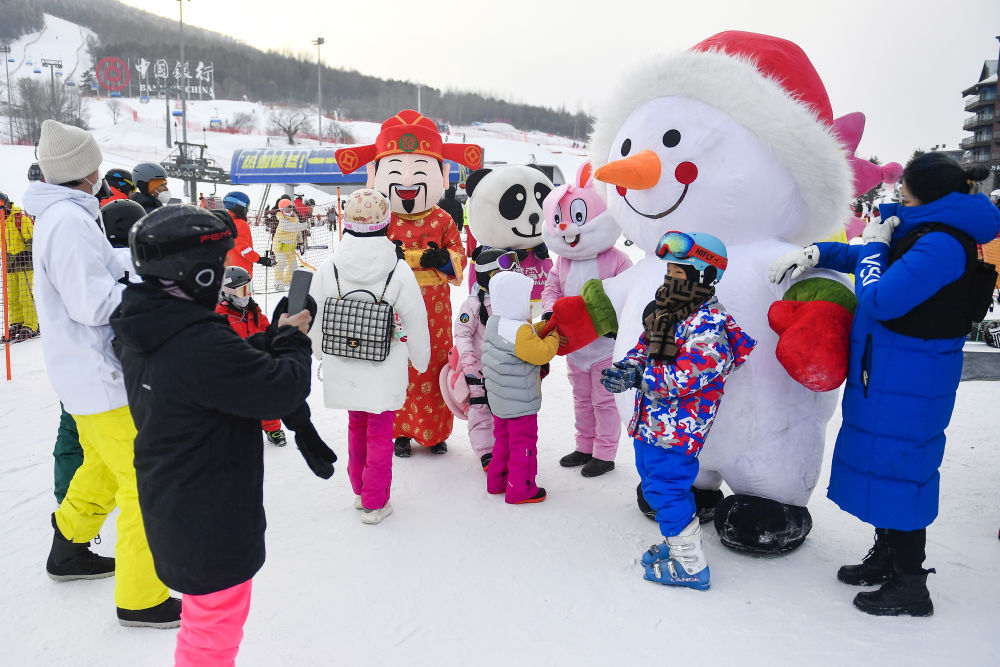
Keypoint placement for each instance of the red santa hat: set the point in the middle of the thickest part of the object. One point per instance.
(408, 132)
(767, 85)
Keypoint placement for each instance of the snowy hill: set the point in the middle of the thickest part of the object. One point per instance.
(58, 40)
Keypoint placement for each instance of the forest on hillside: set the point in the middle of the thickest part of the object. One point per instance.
(242, 70)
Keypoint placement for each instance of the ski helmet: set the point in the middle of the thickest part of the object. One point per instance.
(35, 173)
(145, 173)
(5, 203)
(119, 216)
(236, 286)
(491, 260)
(120, 179)
(704, 252)
(236, 199)
(185, 244)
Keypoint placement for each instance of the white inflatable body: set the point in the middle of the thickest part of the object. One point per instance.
(769, 435)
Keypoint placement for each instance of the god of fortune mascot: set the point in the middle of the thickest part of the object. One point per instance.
(736, 138)
(407, 165)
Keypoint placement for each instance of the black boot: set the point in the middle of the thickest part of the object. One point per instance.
(901, 595)
(70, 560)
(873, 568)
(644, 507)
(705, 502)
(596, 467)
(167, 614)
(575, 459)
(401, 447)
(485, 460)
(440, 448)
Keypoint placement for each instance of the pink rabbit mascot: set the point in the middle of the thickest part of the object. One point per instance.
(579, 229)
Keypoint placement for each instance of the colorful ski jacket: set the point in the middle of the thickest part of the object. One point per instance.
(677, 402)
(244, 321)
(242, 254)
(900, 390)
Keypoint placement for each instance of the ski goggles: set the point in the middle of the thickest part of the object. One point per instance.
(682, 246)
(505, 262)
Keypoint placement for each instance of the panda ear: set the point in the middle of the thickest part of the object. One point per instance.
(476, 252)
(473, 180)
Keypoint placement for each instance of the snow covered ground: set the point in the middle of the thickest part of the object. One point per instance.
(455, 576)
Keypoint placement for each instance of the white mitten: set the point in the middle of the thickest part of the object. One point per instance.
(797, 261)
(879, 231)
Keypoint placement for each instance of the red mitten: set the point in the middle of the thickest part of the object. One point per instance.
(813, 341)
(570, 318)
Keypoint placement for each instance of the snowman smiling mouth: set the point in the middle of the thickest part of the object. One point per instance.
(686, 173)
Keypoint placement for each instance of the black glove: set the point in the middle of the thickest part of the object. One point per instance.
(434, 257)
(546, 316)
(400, 253)
(264, 260)
(317, 455)
(540, 251)
(282, 308)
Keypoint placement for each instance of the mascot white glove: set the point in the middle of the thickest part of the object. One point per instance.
(879, 231)
(797, 261)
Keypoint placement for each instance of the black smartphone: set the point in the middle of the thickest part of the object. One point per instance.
(298, 291)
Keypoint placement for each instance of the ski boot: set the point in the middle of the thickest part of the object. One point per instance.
(685, 565)
(276, 438)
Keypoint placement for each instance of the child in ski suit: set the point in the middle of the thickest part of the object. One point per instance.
(246, 319)
(286, 238)
(469, 329)
(371, 391)
(689, 345)
(512, 354)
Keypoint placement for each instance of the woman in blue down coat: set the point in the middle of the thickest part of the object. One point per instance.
(913, 277)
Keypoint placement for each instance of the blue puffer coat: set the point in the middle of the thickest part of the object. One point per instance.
(885, 464)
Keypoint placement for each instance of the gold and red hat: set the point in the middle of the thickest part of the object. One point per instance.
(408, 132)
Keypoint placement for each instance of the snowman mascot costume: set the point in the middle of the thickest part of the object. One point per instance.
(735, 138)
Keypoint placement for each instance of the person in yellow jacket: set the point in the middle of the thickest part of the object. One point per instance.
(77, 285)
(287, 236)
(19, 230)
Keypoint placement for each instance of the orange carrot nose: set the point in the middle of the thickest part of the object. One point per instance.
(637, 172)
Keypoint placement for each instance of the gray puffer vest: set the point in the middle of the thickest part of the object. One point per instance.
(512, 385)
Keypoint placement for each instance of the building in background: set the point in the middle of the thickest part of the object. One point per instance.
(983, 147)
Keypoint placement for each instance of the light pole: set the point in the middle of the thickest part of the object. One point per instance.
(5, 49)
(319, 41)
(183, 82)
(418, 98)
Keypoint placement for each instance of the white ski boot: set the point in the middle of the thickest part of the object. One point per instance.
(685, 564)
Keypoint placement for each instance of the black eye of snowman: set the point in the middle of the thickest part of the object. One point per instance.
(512, 202)
(541, 192)
(626, 147)
(671, 138)
(578, 211)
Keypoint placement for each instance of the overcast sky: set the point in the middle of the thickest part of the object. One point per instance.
(903, 63)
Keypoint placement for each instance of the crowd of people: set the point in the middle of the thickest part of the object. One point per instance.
(152, 336)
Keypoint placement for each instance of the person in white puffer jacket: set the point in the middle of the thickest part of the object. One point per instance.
(76, 289)
(370, 391)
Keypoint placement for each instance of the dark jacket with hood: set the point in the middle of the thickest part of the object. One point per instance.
(900, 389)
(147, 202)
(198, 393)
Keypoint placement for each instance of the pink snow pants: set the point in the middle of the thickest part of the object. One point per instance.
(598, 425)
(212, 627)
(369, 456)
(514, 464)
(480, 429)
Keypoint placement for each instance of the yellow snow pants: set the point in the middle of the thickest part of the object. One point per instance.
(107, 478)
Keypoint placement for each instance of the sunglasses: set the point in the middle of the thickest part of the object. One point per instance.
(505, 262)
(682, 246)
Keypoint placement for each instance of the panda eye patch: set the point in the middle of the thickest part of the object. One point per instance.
(512, 202)
(541, 192)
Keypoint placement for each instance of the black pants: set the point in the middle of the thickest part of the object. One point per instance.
(907, 548)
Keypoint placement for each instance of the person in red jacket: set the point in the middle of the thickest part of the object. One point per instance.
(242, 254)
(246, 319)
(119, 184)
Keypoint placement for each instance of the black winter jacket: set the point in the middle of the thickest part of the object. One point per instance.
(197, 393)
(147, 202)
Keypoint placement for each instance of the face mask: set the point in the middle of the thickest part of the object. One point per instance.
(240, 301)
(164, 197)
(95, 187)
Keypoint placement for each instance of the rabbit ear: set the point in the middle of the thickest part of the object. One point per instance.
(585, 175)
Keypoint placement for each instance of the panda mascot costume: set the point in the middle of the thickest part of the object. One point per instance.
(505, 213)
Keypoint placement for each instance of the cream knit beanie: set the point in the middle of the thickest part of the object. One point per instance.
(67, 153)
